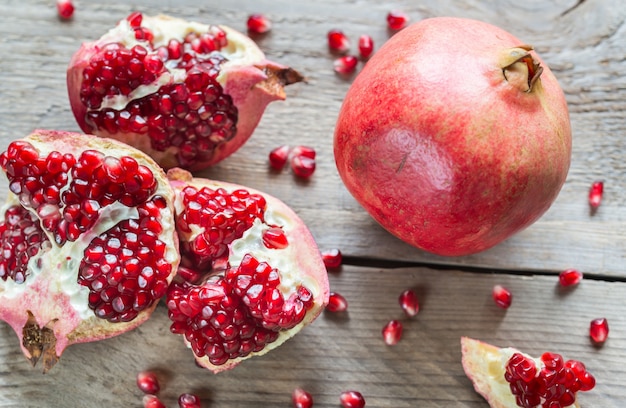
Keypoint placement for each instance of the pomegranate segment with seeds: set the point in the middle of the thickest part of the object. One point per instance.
(88, 240)
(506, 377)
(186, 93)
(256, 274)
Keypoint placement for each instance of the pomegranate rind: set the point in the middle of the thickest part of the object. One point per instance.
(484, 364)
(305, 259)
(42, 304)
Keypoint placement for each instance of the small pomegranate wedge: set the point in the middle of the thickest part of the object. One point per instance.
(251, 275)
(88, 240)
(508, 378)
(186, 93)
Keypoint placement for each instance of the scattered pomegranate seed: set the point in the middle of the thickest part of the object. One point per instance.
(303, 166)
(352, 399)
(570, 277)
(337, 41)
(345, 65)
(397, 20)
(409, 303)
(305, 151)
(599, 330)
(258, 24)
(595, 194)
(278, 157)
(502, 296)
(301, 398)
(275, 238)
(152, 401)
(65, 9)
(332, 258)
(336, 303)
(148, 382)
(188, 401)
(366, 46)
(392, 332)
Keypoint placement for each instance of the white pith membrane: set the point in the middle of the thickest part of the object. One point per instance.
(485, 364)
(51, 291)
(299, 264)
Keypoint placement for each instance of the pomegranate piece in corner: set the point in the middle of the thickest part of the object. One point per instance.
(238, 293)
(88, 240)
(507, 378)
(186, 93)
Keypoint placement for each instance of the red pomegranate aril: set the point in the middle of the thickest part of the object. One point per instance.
(275, 238)
(409, 302)
(152, 401)
(148, 382)
(502, 296)
(345, 65)
(595, 194)
(599, 330)
(366, 46)
(301, 398)
(303, 166)
(258, 24)
(305, 151)
(278, 157)
(65, 9)
(333, 258)
(392, 332)
(337, 41)
(397, 20)
(188, 401)
(570, 277)
(352, 399)
(336, 303)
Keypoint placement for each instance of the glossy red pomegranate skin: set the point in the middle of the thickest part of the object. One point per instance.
(441, 149)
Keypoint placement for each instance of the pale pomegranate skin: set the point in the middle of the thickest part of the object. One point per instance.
(441, 149)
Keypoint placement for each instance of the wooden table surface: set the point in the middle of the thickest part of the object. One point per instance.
(584, 42)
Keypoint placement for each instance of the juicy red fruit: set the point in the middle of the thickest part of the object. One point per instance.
(65, 9)
(599, 330)
(148, 382)
(352, 399)
(258, 24)
(502, 296)
(345, 65)
(187, 400)
(392, 332)
(333, 258)
(301, 398)
(366, 46)
(338, 41)
(596, 192)
(337, 303)
(570, 277)
(278, 157)
(397, 19)
(409, 302)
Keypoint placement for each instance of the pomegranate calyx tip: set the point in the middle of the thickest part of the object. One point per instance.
(39, 342)
(520, 69)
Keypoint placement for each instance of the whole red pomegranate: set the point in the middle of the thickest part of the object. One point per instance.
(186, 93)
(454, 136)
(251, 274)
(88, 240)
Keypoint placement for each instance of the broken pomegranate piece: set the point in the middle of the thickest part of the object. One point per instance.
(507, 378)
(257, 274)
(88, 240)
(186, 93)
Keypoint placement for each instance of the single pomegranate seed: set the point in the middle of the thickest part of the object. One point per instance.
(595, 194)
(301, 398)
(278, 157)
(152, 401)
(188, 401)
(148, 382)
(392, 332)
(366, 46)
(599, 330)
(336, 303)
(338, 41)
(502, 296)
(352, 399)
(397, 20)
(332, 258)
(258, 24)
(65, 9)
(305, 151)
(409, 303)
(345, 65)
(303, 166)
(275, 238)
(570, 277)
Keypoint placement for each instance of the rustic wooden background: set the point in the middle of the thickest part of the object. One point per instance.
(584, 42)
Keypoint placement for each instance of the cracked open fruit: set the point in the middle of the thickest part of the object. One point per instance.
(88, 240)
(454, 136)
(186, 93)
(251, 274)
(508, 378)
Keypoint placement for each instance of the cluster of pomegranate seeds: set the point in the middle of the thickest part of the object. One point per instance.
(595, 194)
(152, 401)
(599, 330)
(553, 385)
(502, 296)
(194, 115)
(148, 382)
(352, 399)
(188, 401)
(397, 20)
(65, 9)
(336, 303)
(409, 302)
(570, 277)
(392, 332)
(300, 158)
(338, 43)
(345, 65)
(258, 24)
(21, 238)
(332, 258)
(301, 398)
(366, 46)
